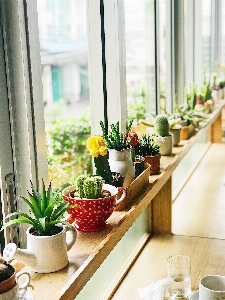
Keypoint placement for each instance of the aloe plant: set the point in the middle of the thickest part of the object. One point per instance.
(47, 208)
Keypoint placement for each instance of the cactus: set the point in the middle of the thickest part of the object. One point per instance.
(80, 185)
(162, 125)
(89, 187)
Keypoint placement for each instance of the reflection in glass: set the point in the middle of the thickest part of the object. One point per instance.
(206, 33)
(140, 73)
(64, 59)
(162, 47)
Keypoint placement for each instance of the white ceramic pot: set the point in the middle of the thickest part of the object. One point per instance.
(166, 145)
(44, 254)
(121, 162)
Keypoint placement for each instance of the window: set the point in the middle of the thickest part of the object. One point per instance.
(140, 58)
(64, 58)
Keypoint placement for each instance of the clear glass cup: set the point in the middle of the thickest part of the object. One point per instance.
(179, 269)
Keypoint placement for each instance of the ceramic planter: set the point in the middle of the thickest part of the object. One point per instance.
(44, 254)
(175, 131)
(166, 145)
(154, 162)
(121, 162)
(91, 214)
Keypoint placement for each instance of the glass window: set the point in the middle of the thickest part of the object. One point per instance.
(140, 58)
(64, 58)
(223, 32)
(206, 33)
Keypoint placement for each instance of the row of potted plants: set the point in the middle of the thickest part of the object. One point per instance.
(87, 204)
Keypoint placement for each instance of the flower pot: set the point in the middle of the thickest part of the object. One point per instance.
(154, 162)
(44, 254)
(121, 162)
(166, 145)
(10, 282)
(139, 165)
(11, 288)
(91, 214)
(186, 132)
(175, 131)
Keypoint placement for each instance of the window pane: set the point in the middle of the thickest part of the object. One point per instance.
(64, 57)
(162, 48)
(140, 64)
(206, 33)
(223, 32)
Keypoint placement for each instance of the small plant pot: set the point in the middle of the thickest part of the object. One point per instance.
(139, 164)
(176, 134)
(154, 162)
(7, 284)
(166, 145)
(91, 214)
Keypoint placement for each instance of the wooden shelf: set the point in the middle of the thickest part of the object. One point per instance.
(91, 249)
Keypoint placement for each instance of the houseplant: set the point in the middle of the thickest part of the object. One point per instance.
(47, 236)
(94, 202)
(97, 148)
(7, 276)
(119, 146)
(161, 127)
(149, 147)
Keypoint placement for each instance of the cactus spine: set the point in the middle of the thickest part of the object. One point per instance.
(162, 125)
(89, 187)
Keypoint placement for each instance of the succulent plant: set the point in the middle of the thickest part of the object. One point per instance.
(47, 209)
(89, 187)
(115, 139)
(162, 125)
(147, 145)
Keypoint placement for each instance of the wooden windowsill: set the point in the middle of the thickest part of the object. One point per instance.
(91, 248)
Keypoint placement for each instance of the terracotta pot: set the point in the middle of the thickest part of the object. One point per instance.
(186, 132)
(91, 214)
(9, 283)
(154, 162)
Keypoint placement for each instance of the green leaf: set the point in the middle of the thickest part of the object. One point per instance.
(44, 201)
(59, 211)
(49, 210)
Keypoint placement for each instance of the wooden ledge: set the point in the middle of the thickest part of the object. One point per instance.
(91, 248)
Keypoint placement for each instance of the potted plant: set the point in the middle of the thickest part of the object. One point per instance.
(94, 202)
(7, 276)
(98, 150)
(149, 147)
(162, 127)
(119, 146)
(47, 236)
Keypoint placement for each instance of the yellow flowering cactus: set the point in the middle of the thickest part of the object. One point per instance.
(96, 146)
(98, 150)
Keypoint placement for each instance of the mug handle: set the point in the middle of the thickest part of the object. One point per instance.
(23, 287)
(122, 196)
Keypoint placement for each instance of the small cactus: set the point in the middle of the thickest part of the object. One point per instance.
(162, 125)
(89, 187)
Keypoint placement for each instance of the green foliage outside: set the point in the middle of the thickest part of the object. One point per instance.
(68, 156)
